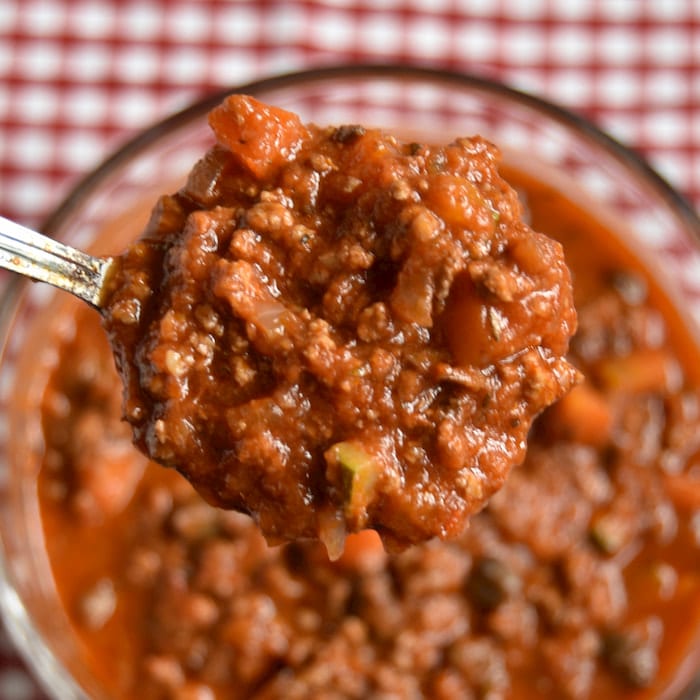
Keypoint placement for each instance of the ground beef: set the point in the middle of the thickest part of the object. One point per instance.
(330, 329)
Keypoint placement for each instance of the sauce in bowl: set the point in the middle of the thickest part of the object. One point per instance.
(578, 580)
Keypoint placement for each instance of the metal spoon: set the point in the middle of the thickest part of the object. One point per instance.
(41, 258)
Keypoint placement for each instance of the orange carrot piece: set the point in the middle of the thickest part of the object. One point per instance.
(641, 371)
(363, 550)
(583, 415)
(260, 136)
(684, 490)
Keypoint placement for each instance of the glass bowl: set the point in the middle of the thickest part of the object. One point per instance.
(111, 205)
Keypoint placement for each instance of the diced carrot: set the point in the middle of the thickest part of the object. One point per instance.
(457, 201)
(641, 371)
(465, 310)
(684, 490)
(583, 415)
(260, 136)
(363, 550)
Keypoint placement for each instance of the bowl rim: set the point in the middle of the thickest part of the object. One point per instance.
(624, 153)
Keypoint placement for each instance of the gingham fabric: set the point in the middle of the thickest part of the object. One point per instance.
(78, 77)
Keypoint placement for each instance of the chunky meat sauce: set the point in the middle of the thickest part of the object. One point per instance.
(330, 329)
(579, 580)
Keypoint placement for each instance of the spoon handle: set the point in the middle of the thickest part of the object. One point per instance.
(41, 258)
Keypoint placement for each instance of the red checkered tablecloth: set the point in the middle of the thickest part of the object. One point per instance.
(78, 77)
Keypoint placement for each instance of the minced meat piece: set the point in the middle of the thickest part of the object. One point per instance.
(330, 329)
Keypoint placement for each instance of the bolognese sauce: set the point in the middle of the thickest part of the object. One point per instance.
(331, 329)
(578, 580)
